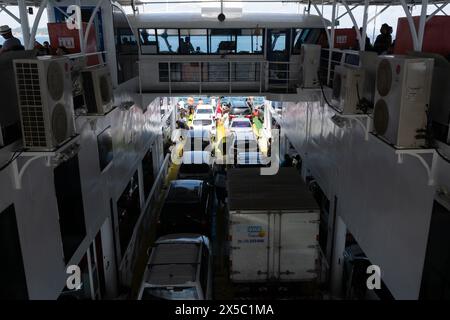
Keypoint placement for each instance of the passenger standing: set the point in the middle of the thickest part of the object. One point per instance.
(384, 39)
(11, 43)
(189, 46)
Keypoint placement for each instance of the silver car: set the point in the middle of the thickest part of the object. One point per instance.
(179, 268)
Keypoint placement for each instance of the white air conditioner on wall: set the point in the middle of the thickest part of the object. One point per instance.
(309, 65)
(44, 91)
(348, 87)
(97, 88)
(402, 96)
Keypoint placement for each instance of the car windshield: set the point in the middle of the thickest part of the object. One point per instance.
(204, 111)
(205, 122)
(186, 193)
(175, 293)
(201, 168)
(241, 124)
(240, 110)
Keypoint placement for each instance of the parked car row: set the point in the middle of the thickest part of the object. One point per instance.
(180, 264)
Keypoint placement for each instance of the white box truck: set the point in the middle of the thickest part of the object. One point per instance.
(273, 227)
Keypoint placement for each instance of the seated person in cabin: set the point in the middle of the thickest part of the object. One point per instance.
(186, 46)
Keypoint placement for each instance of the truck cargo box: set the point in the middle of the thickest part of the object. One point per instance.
(273, 227)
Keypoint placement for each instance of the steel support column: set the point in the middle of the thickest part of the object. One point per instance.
(91, 20)
(331, 43)
(355, 24)
(42, 7)
(362, 40)
(23, 12)
(423, 20)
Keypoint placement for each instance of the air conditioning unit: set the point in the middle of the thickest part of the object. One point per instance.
(44, 92)
(309, 65)
(368, 62)
(348, 87)
(97, 87)
(402, 96)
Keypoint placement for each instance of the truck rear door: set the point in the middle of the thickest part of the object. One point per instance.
(249, 246)
(298, 245)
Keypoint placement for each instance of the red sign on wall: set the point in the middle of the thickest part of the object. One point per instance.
(61, 36)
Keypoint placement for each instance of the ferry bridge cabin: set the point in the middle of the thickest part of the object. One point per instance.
(248, 53)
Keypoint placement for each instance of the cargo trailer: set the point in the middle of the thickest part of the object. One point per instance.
(273, 227)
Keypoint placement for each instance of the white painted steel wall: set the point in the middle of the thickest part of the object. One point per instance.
(385, 205)
(36, 207)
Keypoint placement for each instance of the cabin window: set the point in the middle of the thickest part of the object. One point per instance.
(278, 41)
(126, 38)
(193, 41)
(222, 41)
(168, 41)
(148, 41)
(250, 41)
(201, 41)
(299, 38)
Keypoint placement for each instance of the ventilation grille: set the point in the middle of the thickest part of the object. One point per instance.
(31, 104)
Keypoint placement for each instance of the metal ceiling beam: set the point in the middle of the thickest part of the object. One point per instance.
(355, 24)
(378, 13)
(12, 15)
(91, 20)
(346, 12)
(35, 24)
(439, 9)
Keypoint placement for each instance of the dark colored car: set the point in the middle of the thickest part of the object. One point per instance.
(186, 208)
(196, 165)
(239, 108)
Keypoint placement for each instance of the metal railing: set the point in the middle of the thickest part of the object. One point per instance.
(330, 58)
(282, 76)
(142, 226)
(216, 75)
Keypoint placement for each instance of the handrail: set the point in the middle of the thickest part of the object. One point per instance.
(263, 74)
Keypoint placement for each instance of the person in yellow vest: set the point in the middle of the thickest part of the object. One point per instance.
(220, 136)
(190, 117)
